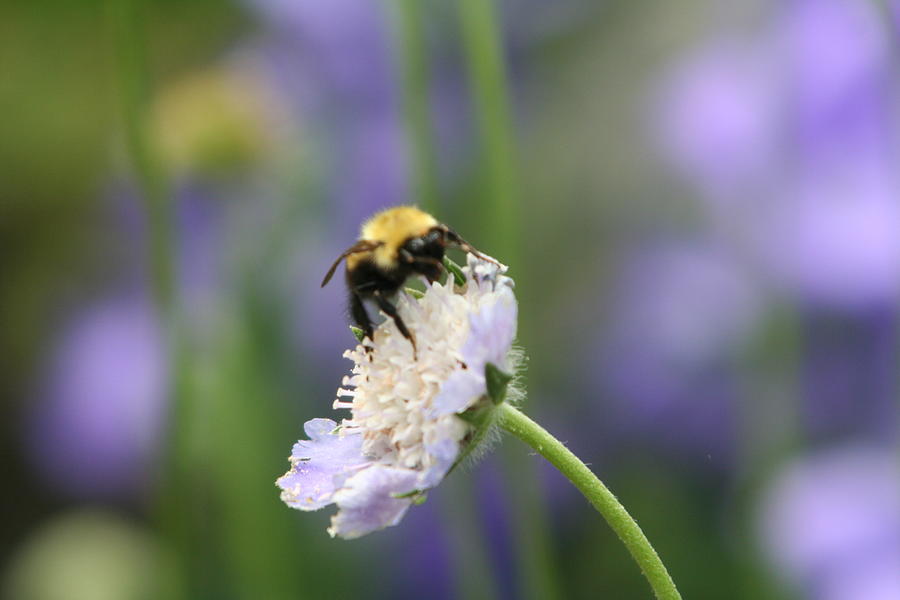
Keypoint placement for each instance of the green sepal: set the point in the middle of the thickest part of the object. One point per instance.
(497, 383)
(476, 417)
(358, 333)
(417, 294)
(455, 270)
(481, 418)
(418, 496)
(408, 494)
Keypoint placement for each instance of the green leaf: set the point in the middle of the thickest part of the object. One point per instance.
(359, 333)
(497, 382)
(456, 271)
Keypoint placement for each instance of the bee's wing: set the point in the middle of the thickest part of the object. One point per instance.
(360, 246)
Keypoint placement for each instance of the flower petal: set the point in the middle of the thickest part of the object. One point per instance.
(458, 392)
(444, 452)
(319, 464)
(491, 332)
(368, 500)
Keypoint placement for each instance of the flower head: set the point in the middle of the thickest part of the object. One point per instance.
(404, 432)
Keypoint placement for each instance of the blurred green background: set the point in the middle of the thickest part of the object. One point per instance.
(698, 203)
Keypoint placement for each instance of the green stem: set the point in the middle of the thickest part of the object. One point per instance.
(491, 99)
(412, 58)
(515, 422)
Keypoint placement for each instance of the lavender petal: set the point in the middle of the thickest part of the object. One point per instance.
(368, 501)
(318, 465)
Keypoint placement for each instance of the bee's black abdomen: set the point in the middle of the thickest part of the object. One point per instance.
(364, 281)
(366, 277)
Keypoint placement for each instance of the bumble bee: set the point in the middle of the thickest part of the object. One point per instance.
(394, 245)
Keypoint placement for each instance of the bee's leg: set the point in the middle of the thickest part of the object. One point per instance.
(361, 318)
(390, 310)
(424, 260)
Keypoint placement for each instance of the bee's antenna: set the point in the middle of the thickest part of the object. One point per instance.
(360, 246)
(455, 239)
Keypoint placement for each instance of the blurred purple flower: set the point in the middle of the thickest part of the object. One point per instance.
(102, 394)
(687, 302)
(837, 76)
(100, 414)
(682, 312)
(716, 117)
(877, 578)
(830, 522)
(850, 375)
(835, 238)
(342, 47)
(793, 131)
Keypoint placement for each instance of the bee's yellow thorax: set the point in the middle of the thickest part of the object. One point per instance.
(392, 227)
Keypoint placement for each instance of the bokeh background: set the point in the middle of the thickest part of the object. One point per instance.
(698, 200)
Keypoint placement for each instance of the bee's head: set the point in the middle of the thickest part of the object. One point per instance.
(426, 253)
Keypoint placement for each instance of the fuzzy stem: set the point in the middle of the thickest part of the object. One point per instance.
(518, 424)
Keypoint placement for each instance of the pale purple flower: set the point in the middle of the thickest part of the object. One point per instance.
(830, 522)
(404, 434)
(321, 458)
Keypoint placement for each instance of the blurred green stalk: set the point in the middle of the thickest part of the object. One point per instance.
(491, 99)
(487, 74)
(412, 60)
(133, 87)
(264, 550)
